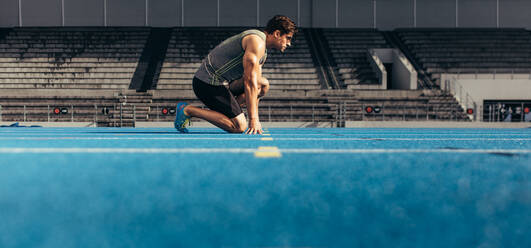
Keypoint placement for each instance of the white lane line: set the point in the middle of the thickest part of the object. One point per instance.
(68, 132)
(260, 138)
(251, 150)
(407, 134)
(406, 139)
(511, 151)
(126, 150)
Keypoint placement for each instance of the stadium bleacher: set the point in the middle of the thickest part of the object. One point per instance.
(469, 51)
(348, 49)
(76, 58)
(89, 60)
(293, 70)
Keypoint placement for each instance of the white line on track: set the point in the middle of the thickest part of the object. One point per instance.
(249, 150)
(259, 137)
(280, 134)
(126, 150)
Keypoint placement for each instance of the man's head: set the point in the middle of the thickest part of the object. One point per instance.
(280, 30)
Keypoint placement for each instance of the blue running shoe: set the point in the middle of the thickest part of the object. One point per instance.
(181, 119)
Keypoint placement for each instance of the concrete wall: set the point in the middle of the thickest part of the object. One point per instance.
(41, 12)
(132, 15)
(164, 13)
(436, 13)
(404, 75)
(497, 89)
(477, 13)
(392, 14)
(382, 14)
(84, 13)
(9, 13)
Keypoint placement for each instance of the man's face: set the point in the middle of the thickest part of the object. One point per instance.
(282, 41)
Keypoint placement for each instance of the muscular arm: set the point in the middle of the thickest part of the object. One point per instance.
(254, 48)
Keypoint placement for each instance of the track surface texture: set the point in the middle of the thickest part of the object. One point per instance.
(360, 187)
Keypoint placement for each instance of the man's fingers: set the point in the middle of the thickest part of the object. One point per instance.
(253, 131)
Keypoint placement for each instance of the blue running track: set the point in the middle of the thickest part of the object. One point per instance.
(154, 187)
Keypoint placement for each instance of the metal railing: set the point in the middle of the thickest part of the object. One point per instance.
(453, 87)
(506, 111)
(45, 113)
(417, 112)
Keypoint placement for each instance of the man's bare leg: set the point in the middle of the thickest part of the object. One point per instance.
(237, 124)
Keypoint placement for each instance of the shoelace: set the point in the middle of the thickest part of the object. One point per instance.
(186, 121)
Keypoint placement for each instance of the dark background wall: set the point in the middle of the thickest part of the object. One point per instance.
(83, 13)
(382, 14)
(436, 13)
(392, 14)
(41, 13)
(515, 13)
(477, 13)
(8, 13)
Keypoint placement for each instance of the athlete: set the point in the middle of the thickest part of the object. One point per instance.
(231, 77)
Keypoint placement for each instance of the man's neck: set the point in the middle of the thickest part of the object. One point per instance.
(269, 38)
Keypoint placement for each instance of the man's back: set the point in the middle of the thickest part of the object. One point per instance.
(224, 63)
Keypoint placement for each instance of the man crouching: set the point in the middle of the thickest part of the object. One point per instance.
(231, 76)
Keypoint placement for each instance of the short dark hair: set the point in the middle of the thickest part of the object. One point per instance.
(281, 23)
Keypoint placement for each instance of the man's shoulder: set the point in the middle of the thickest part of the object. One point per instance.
(254, 32)
(253, 41)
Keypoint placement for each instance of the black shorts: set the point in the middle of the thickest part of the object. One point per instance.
(217, 98)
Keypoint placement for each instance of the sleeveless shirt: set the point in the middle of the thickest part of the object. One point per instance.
(224, 63)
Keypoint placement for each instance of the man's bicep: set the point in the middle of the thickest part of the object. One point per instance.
(250, 60)
(254, 46)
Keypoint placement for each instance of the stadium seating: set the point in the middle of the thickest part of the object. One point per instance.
(99, 107)
(293, 106)
(469, 50)
(77, 58)
(293, 70)
(88, 71)
(348, 50)
(396, 105)
(37, 105)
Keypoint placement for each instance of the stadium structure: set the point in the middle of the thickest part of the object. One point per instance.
(101, 68)
(388, 123)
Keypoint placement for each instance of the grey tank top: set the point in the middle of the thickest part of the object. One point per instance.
(224, 63)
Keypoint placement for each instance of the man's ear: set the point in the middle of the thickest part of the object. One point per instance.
(276, 33)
